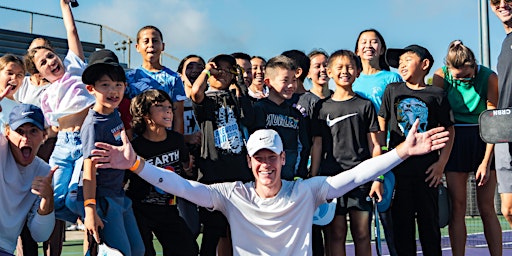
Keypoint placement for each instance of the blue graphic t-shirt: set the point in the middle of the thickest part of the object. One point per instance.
(104, 128)
(140, 80)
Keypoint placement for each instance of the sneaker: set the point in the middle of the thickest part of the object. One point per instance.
(80, 227)
(73, 227)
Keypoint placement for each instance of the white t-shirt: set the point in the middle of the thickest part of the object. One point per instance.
(29, 93)
(18, 204)
(68, 94)
(281, 225)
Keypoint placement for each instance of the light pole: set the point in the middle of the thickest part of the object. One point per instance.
(122, 46)
(129, 43)
(483, 32)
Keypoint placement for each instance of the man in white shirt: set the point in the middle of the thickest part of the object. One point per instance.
(269, 216)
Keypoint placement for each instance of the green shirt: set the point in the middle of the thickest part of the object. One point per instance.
(467, 98)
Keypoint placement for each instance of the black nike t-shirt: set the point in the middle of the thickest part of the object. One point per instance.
(344, 127)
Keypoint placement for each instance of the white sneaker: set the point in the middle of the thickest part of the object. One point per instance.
(73, 227)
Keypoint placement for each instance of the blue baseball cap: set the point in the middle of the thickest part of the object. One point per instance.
(26, 113)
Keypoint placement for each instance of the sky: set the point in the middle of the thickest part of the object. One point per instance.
(265, 27)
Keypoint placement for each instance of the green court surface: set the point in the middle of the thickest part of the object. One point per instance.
(474, 226)
(75, 247)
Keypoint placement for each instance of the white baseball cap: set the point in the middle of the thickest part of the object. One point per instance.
(264, 139)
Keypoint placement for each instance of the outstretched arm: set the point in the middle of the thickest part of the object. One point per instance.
(415, 144)
(74, 43)
(124, 157)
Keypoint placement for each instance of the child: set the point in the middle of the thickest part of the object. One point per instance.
(244, 61)
(274, 113)
(64, 104)
(303, 64)
(189, 69)
(106, 205)
(257, 89)
(153, 75)
(156, 211)
(34, 85)
(317, 67)
(375, 76)
(12, 72)
(416, 194)
(344, 129)
(317, 73)
(371, 83)
(220, 114)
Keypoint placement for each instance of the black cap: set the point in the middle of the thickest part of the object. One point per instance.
(393, 54)
(98, 59)
(223, 57)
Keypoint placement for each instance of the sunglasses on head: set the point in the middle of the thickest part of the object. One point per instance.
(497, 2)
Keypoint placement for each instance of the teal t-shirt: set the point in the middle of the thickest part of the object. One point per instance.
(372, 86)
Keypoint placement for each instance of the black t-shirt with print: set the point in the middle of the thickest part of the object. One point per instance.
(168, 154)
(223, 152)
(401, 106)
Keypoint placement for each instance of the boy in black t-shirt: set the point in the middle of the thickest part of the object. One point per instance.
(345, 129)
(416, 194)
(223, 157)
(275, 113)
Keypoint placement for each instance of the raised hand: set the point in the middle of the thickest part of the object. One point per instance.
(117, 157)
(42, 186)
(422, 143)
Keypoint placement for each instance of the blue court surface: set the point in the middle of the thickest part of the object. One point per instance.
(475, 245)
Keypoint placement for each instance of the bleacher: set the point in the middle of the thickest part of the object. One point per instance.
(17, 43)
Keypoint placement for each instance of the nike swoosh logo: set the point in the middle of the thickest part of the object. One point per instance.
(26, 113)
(331, 122)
